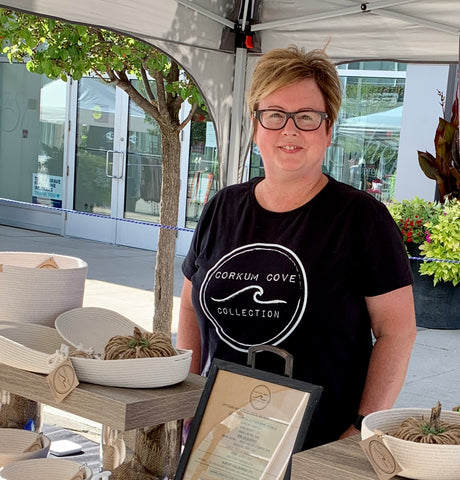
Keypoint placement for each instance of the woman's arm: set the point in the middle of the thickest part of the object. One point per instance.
(188, 333)
(393, 324)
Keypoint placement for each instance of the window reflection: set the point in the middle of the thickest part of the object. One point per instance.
(32, 126)
(203, 166)
(144, 163)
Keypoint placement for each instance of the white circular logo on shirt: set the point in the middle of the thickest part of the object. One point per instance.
(254, 295)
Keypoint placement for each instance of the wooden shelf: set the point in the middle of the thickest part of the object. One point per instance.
(342, 460)
(120, 408)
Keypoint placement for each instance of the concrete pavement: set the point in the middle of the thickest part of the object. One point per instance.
(121, 279)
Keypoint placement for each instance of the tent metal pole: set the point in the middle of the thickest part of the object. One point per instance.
(324, 16)
(237, 116)
(245, 14)
(206, 13)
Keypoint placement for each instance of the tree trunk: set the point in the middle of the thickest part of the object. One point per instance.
(143, 454)
(150, 453)
(19, 412)
(169, 206)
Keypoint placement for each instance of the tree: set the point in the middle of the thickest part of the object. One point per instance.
(58, 50)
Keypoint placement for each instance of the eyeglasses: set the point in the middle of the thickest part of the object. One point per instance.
(306, 120)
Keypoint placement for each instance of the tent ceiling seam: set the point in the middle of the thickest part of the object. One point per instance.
(419, 21)
(206, 13)
(358, 8)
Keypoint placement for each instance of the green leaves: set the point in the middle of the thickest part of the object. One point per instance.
(435, 227)
(58, 49)
(443, 243)
(412, 216)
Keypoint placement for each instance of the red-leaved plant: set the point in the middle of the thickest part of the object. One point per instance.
(444, 167)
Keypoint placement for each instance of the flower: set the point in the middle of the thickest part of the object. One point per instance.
(412, 215)
(434, 229)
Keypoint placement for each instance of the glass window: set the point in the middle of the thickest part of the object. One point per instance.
(32, 126)
(374, 65)
(365, 141)
(144, 161)
(203, 166)
(95, 134)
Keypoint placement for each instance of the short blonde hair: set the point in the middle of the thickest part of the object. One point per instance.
(283, 66)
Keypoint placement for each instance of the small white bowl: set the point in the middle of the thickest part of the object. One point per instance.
(93, 327)
(28, 346)
(44, 469)
(420, 461)
(13, 442)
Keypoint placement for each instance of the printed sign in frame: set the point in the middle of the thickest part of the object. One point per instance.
(247, 425)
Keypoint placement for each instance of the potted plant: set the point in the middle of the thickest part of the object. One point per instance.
(443, 242)
(431, 232)
(411, 217)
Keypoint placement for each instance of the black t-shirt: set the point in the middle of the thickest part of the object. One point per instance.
(296, 280)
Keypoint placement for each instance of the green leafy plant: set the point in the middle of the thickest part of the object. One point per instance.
(444, 167)
(443, 243)
(411, 217)
(431, 230)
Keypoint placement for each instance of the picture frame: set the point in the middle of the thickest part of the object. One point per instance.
(247, 425)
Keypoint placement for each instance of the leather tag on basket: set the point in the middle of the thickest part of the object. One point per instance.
(50, 263)
(80, 475)
(36, 445)
(62, 380)
(380, 457)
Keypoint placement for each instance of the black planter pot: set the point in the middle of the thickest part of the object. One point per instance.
(435, 306)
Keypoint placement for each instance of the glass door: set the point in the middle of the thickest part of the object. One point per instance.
(115, 173)
(114, 170)
(140, 203)
(98, 166)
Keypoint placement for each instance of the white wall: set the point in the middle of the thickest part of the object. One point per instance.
(420, 116)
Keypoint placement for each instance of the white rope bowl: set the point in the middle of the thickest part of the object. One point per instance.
(31, 346)
(93, 327)
(28, 346)
(420, 461)
(38, 295)
(44, 469)
(14, 441)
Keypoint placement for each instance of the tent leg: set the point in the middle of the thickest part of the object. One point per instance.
(237, 117)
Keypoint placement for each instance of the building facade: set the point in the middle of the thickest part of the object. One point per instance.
(80, 159)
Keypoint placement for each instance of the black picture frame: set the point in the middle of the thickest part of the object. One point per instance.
(219, 447)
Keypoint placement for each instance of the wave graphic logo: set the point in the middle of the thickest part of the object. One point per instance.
(259, 291)
(256, 294)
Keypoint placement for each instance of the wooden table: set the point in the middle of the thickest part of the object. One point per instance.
(342, 460)
(119, 408)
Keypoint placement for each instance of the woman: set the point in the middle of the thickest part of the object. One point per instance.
(301, 261)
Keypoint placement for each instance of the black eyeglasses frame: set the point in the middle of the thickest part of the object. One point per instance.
(257, 113)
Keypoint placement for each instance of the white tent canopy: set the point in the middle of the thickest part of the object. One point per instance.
(207, 37)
